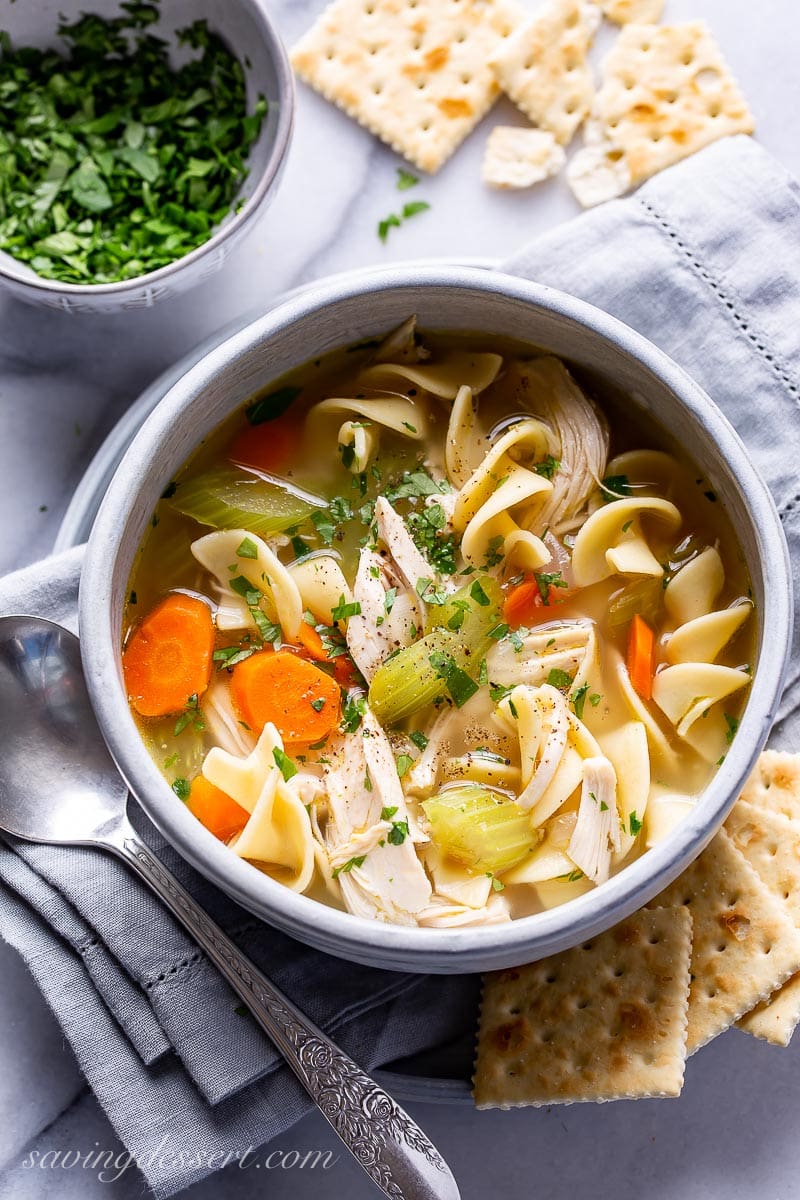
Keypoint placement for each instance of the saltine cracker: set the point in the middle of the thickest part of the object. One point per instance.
(604, 1021)
(744, 944)
(415, 74)
(543, 65)
(666, 93)
(519, 158)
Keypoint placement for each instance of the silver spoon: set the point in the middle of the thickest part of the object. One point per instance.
(59, 784)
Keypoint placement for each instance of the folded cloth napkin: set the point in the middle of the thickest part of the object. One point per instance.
(704, 260)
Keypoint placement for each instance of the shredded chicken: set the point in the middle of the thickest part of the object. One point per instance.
(443, 914)
(583, 436)
(225, 730)
(392, 531)
(380, 627)
(390, 883)
(597, 830)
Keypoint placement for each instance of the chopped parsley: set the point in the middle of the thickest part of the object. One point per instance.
(191, 716)
(427, 590)
(393, 221)
(559, 679)
(181, 787)
(549, 580)
(406, 180)
(547, 467)
(498, 692)
(479, 595)
(343, 611)
(458, 683)
(318, 705)
(419, 739)
(115, 162)
(426, 528)
(325, 527)
(733, 725)
(272, 405)
(493, 556)
(615, 487)
(346, 868)
(634, 824)
(229, 656)
(247, 549)
(284, 763)
(498, 632)
(404, 764)
(389, 598)
(398, 833)
(416, 484)
(578, 699)
(352, 713)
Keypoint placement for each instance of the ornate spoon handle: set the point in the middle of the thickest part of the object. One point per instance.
(380, 1135)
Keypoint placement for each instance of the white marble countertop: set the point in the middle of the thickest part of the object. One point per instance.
(64, 381)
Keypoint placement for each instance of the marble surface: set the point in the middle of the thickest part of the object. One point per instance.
(64, 381)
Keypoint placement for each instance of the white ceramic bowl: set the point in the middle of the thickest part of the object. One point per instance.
(304, 328)
(251, 36)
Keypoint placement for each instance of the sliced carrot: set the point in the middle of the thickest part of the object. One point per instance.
(311, 642)
(344, 669)
(269, 447)
(301, 701)
(215, 809)
(641, 649)
(521, 601)
(346, 673)
(168, 657)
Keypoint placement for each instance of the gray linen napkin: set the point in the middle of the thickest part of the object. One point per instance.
(705, 260)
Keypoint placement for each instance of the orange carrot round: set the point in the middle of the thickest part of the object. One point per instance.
(301, 701)
(168, 657)
(311, 642)
(641, 650)
(269, 447)
(215, 809)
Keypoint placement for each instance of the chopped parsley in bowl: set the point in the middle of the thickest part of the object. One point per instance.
(129, 148)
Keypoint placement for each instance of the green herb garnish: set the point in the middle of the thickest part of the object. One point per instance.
(113, 162)
(284, 764)
(347, 867)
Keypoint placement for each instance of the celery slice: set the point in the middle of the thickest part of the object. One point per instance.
(409, 680)
(469, 609)
(235, 499)
(419, 674)
(643, 596)
(480, 828)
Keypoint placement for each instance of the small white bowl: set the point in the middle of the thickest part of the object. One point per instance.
(250, 34)
(453, 299)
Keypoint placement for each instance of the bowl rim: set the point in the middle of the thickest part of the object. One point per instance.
(230, 228)
(360, 939)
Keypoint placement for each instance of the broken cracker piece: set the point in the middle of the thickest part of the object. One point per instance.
(415, 74)
(543, 65)
(744, 944)
(604, 1021)
(519, 158)
(667, 92)
(624, 12)
(771, 844)
(775, 783)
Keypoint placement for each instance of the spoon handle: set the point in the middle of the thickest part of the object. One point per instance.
(381, 1136)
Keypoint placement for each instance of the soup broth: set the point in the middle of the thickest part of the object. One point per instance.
(430, 634)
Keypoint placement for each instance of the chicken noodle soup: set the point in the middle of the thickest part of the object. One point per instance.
(428, 635)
